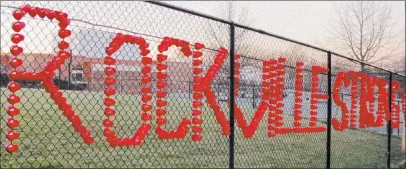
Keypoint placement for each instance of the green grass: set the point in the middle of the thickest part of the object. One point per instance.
(48, 140)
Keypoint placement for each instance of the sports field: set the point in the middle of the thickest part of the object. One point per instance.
(48, 140)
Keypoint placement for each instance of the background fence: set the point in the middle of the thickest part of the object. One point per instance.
(48, 140)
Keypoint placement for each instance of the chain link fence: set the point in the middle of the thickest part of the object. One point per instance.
(47, 139)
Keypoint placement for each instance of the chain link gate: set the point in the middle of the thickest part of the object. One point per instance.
(47, 139)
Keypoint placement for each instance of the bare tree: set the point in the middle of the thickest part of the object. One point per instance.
(365, 30)
(243, 17)
(220, 38)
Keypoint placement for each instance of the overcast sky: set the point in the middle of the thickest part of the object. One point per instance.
(303, 21)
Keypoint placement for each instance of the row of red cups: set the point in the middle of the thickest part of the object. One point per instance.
(182, 129)
(197, 93)
(110, 71)
(45, 76)
(269, 75)
(298, 95)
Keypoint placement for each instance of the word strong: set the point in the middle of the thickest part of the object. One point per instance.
(363, 91)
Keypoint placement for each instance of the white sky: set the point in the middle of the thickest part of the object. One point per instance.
(302, 21)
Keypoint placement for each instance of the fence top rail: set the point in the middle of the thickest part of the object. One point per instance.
(263, 32)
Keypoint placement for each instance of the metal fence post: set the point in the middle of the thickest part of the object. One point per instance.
(342, 96)
(69, 72)
(389, 129)
(400, 122)
(253, 97)
(231, 93)
(329, 112)
(218, 92)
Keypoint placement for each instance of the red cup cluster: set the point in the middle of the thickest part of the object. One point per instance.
(13, 86)
(367, 117)
(370, 98)
(45, 76)
(404, 105)
(363, 111)
(146, 96)
(270, 74)
(248, 130)
(13, 111)
(182, 129)
(297, 109)
(197, 93)
(383, 105)
(395, 108)
(341, 78)
(238, 115)
(354, 99)
(278, 94)
(315, 95)
(266, 80)
(236, 77)
(209, 93)
(67, 111)
(12, 123)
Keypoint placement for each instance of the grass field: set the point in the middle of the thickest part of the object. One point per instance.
(48, 140)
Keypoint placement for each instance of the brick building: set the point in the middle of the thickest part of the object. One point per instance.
(85, 68)
(88, 73)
